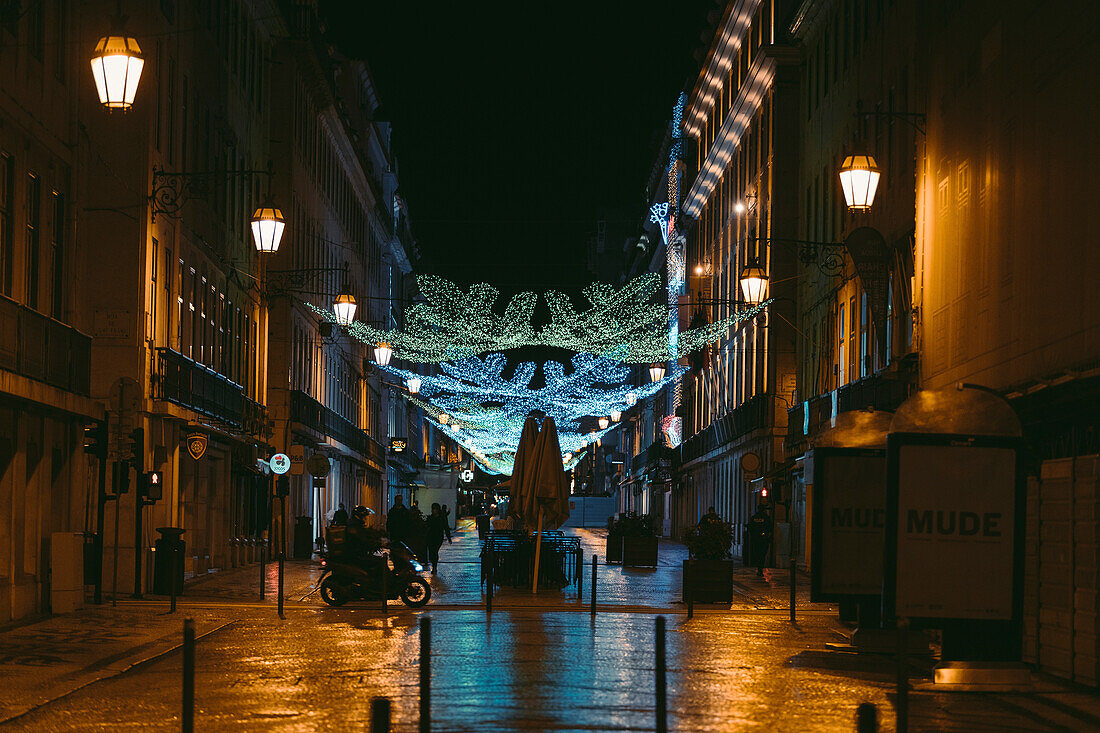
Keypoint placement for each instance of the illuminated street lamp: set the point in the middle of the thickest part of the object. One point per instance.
(859, 176)
(604, 422)
(267, 228)
(116, 68)
(444, 418)
(754, 283)
(656, 371)
(631, 399)
(413, 383)
(344, 307)
(615, 415)
(382, 354)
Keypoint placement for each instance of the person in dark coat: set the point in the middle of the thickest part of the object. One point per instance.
(436, 529)
(340, 516)
(398, 521)
(759, 529)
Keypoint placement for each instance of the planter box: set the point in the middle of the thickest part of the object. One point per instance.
(639, 552)
(708, 581)
(614, 548)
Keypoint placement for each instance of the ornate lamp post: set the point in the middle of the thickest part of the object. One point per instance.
(754, 283)
(116, 67)
(344, 307)
(859, 176)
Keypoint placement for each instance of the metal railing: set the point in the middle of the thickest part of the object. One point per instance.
(192, 385)
(38, 347)
(309, 412)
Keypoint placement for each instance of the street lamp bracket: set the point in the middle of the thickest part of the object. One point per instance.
(172, 189)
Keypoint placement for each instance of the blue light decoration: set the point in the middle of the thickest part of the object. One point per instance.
(675, 264)
(486, 410)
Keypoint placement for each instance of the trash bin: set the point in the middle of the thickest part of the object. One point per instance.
(168, 565)
(303, 538)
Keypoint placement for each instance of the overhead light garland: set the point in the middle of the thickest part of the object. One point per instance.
(624, 324)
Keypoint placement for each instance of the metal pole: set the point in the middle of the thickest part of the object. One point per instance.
(580, 575)
(282, 549)
(138, 438)
(595, 561)
(188, 675)
(380, 715)
(489, 582)
(867, 718)
(99, 529)
(172, 576)
(425, 674)
(793, 582)
(662, 703)
(385, 586)
(903, 676)
(689, 579)
(114, 560)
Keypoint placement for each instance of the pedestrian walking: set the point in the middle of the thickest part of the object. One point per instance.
(398, 520)
(759, 530)
(711, 516)
(447, 515)
(436, 530)
(340, 516)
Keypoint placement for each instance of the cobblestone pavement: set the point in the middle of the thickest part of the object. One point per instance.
(524, 667)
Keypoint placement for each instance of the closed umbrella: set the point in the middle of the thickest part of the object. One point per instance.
(551, 493)
(522, 482)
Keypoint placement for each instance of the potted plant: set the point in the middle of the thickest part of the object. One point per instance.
(632, 540)
(708, 573)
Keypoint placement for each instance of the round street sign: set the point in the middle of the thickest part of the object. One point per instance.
(280, 463)
(318, 465)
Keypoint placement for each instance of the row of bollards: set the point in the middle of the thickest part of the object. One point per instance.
(866, 714)
(793, 584)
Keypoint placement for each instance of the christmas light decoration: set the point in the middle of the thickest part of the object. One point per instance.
(623, 324)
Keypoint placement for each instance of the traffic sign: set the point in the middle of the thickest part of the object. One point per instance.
(280, 463)
(318, 464)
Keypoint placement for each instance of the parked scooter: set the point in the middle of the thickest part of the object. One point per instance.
(343, 580)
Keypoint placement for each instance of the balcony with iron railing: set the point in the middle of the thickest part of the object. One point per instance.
(43, 349)
(753, 414)
(884, 390)
(189, 384)
(307, 411)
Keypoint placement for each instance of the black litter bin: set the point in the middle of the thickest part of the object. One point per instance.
(168, 566)
(303, 538)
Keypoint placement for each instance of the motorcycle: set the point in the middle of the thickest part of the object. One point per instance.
(397, 571)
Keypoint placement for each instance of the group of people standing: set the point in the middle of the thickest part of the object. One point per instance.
(424, 535)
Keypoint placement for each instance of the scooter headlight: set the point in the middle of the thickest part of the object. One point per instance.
(417, 566)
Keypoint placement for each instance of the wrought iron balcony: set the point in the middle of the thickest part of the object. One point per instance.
(750, 415)
(40, 348)
(312, 414)
(197, 387)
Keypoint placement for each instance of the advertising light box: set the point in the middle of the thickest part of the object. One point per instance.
(848, 522)
(954, 516)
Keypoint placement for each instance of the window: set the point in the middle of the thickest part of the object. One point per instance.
(842, 352)
(34, 214)
(853, 345)
(57, 256)
(171, 111)
(168, 297)
(153, 292)
(865, 337)
(179, 308)
(36, 27)
(7, 244)
(195, 337)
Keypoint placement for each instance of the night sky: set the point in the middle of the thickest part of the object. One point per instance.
(518, 125)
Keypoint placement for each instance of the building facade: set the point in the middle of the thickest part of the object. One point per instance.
(740, 208)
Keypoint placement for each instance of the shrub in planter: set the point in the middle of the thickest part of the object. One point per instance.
(632, 540)
(708, 573)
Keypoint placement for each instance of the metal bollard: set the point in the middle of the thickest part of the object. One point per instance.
(866, 718)
(793, 582)
(662, 703)
(188, 676)
(263, 569)
(489, 583)
(380, 715)
(580, 575)
(281, 554)
(385, 589)
(172, 578)
(425, 674)
(689, 578)
(595, 560)
(902, 705)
